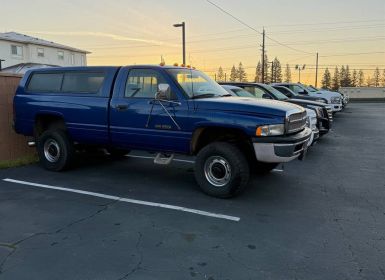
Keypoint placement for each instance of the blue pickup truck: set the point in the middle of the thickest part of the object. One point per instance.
(161, 109)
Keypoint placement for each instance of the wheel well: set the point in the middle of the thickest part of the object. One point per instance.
(206, 135)
(44, 122)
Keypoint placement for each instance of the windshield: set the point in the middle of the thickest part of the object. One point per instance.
(242, 93)
(312, 89)
(277, 94)
(197, 84)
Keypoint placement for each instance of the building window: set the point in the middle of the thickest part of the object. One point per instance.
(40, 52)
(83, 59)
(60, 55)
(72, 58)
(17, 50)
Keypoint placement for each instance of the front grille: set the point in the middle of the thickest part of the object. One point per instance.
(296, 122)
(330, 114)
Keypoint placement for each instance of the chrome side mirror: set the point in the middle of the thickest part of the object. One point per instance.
(164, 92)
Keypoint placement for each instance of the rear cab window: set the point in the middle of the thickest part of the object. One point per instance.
(72, 82)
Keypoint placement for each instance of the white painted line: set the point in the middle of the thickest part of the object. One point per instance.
(147, 157)
(277, 170)
(128, 200)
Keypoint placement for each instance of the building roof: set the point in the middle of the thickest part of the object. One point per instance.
(22, 38)
(21, 68)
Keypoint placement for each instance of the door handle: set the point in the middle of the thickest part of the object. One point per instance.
(121, 107)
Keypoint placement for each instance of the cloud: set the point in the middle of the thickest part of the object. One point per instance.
(112, 36)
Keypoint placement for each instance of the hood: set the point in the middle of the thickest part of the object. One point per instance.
(306, 102)
(247, 105)
(325, 94)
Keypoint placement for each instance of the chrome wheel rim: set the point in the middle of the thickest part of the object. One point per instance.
(51, 150)
(217, 171)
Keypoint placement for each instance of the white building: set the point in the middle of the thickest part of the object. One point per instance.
(20, 49)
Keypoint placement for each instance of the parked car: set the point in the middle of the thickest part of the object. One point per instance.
(311, 121)
(333, 98)
(345, 97)
(167, 110)
(324, 117)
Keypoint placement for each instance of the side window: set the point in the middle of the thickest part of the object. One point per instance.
(297, 89)
(82, 82)
(142, 83)
(284, 91)
(45, 82)
(257, 92)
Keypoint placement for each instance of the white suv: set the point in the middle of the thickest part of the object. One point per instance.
(333, 98)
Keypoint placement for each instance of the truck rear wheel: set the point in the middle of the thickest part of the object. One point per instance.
(221, 170)
(55, 150)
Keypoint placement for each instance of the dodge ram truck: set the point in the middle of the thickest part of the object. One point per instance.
(160, 109)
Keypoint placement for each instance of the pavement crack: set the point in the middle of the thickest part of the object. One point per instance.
(139, 263)
(14, 246)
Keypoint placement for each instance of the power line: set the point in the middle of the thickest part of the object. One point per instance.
(252, 28)
(234, 17)
(347, 54)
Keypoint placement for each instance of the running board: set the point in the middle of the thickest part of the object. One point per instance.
(163, 159)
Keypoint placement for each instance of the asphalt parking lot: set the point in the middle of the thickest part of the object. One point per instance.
(323, 218)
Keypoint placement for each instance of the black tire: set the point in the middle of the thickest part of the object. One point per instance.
(117, 153)
(262, 168)
(55, 150)
(222, 161)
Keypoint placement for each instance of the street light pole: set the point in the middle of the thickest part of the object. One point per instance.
(183, 25)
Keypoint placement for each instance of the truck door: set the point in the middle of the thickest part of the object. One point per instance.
(137, 121)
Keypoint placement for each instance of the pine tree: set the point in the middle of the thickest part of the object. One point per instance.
(376, 77)
(276, 71)
(354, 78)
(342, 76)
(258, 74)
(336, 79)
(383, 78)
(287, 74)
(361, 78)
(220, 75)
(369, 82)
(348, 77)
(242, 76)
(233, 74)
(327, 79)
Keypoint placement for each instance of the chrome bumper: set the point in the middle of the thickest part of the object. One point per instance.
(283, 149)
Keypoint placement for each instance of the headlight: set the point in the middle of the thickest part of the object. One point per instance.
(308, 121)
(270, 130)
(320, 100)
(335, 100)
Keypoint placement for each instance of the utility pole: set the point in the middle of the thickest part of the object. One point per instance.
(316, 71)
(1, 60)
(225, 77)
(272, 72)
(263, 56)
(183, 25)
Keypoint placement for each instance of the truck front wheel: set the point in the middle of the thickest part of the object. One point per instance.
(221, 170)
(55, 150)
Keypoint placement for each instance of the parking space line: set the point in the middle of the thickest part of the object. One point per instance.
(147, 157)
(128, 200)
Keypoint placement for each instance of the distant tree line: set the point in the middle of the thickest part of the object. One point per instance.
(343, 77)
(272, 73)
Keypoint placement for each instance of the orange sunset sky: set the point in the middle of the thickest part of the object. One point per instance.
(125, 32)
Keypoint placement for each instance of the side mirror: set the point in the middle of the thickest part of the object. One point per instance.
(302, 92)
(164, 92)
(266, 96)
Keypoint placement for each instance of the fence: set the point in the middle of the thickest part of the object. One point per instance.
(12, 146)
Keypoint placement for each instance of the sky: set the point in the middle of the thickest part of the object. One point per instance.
(124, 32)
